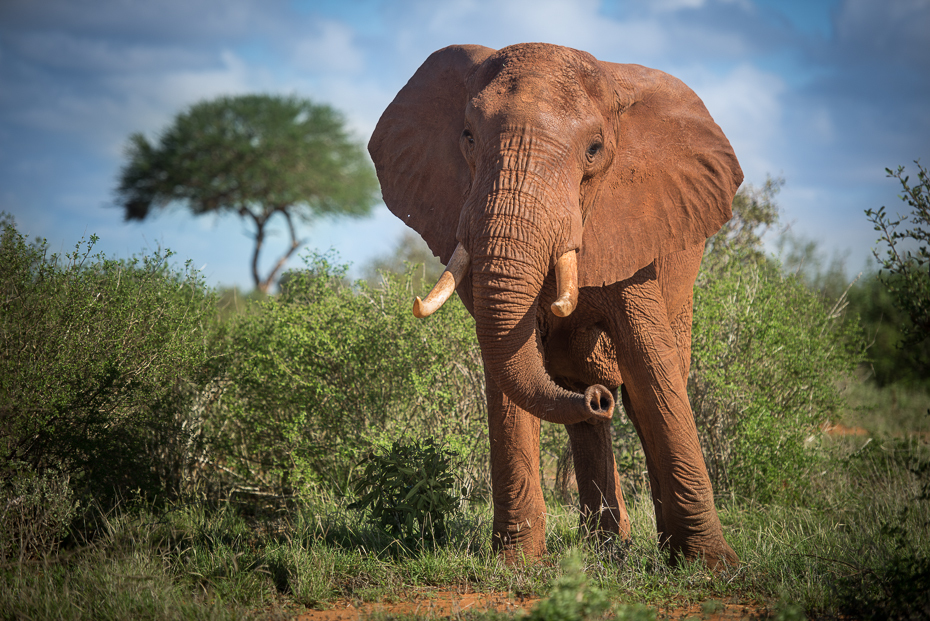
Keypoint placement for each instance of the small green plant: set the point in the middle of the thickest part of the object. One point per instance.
(409, 490)
(571, 598)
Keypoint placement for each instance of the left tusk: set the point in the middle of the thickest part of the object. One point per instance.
(566, 279)
(450, 279)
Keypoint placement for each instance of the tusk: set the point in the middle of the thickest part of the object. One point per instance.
(566, 279)
(450, 279)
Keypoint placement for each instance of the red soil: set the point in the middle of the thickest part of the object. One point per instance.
(449, 604)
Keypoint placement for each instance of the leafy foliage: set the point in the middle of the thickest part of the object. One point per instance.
(256, 156)
(100, 364)
(755, 212)
(326, 370)
(408, 490)
(907, 271)
(868, 299)
(768, 358)
(885, 325)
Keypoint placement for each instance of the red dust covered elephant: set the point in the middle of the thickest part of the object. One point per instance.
(570, 199)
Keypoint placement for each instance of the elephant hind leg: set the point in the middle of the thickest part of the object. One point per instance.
(654, 485)
(519, 529)
(603, 510)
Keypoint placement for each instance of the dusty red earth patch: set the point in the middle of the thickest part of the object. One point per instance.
(424, 602)
(714, 611)
(839, 429)
(445, 604)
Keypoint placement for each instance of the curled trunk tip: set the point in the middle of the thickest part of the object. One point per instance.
(600, 402)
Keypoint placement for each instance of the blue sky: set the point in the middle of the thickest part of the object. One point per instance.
(826, 94)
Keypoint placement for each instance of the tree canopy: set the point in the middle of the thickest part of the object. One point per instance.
(256, 156)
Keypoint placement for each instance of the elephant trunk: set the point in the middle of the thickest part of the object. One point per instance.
(506, 298)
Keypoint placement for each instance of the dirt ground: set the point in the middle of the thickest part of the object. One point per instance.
(445, 604)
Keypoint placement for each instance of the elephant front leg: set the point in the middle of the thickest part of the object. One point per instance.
(519, 530)
(651, 366)
(602, 508)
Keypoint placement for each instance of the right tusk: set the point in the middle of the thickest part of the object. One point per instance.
(450, 279)
(566, 279)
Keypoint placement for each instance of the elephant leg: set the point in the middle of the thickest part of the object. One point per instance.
(654, 485)
(519, 530)
(650, 363)
(602, 506)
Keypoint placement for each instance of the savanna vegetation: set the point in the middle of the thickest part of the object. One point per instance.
(170, 451)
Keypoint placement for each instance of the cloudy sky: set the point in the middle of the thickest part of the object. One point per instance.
(825, 93)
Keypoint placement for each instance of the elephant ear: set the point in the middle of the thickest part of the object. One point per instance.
(670, 185)
(415, 147)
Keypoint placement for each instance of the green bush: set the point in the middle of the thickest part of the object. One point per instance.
(768, 360)
(100, 363)
(326, 370)
(889, 362)
(907, 254)
(408, 490)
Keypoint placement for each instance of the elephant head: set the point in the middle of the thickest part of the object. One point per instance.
(534, 159)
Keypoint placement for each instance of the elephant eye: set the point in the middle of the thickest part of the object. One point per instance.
(467, 136)
(595, 148)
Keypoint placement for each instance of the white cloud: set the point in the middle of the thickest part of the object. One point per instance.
(61, 50)
(142, 101)
(675, 5)
(330, 50)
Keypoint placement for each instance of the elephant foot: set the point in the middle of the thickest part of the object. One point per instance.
(717, 557)
(521, 544)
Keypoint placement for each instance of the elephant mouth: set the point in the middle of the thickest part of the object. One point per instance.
(566, 274)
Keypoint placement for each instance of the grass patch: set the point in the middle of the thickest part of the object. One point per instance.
(200, 561)
(891, 410)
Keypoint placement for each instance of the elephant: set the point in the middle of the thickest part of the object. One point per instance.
(570, 200)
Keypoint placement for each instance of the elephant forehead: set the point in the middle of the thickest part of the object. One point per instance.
(532, 96)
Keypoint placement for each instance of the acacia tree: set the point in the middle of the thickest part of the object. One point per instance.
(256, 156)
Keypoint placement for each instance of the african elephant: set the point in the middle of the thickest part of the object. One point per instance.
(570, 199)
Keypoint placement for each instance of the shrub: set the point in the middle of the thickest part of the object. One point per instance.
(409, 490)
(907, 255)
(768, 357)
(35, 512)
(100, 361)
(326, 370)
